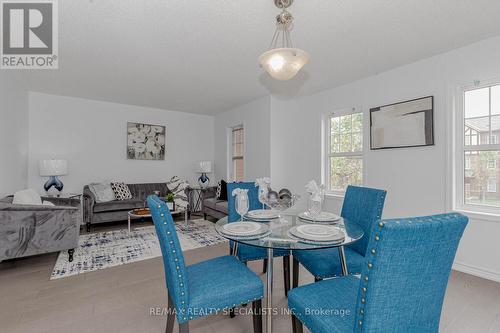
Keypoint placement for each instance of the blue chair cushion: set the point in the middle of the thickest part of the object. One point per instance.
(327, 306)
(221, 283)
(249, 253)
(326, 263)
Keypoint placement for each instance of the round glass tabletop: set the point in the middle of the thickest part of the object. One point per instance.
(281, 238)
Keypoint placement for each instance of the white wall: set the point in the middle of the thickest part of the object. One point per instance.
(417, 179)
(91, 135)
(255, 117)
(13, 134)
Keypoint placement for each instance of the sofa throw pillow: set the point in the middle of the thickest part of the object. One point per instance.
(223, 190)
(178, 187)
(102, 192)
(122, 192)
(218, 190)
(27, 197)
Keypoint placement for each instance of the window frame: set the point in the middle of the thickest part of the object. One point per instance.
(460, 149)
(326, 153)
(230, 152)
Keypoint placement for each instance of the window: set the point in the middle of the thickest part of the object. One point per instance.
(492, 185)
(467, 162)
(343, 150)
(492, 162)
(237, 154)
(480, 148)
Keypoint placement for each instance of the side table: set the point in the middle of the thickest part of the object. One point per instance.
(196, 196)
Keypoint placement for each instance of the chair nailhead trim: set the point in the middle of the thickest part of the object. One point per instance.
(377, 238)
(364, 289)
(360, 323)
(374, 251)
(363, 301)
(370, 265)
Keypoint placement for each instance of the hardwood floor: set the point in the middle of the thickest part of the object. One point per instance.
(119, 299)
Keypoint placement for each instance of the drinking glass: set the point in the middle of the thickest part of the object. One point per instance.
(241, 203)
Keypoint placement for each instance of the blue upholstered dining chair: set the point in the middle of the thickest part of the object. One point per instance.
(203, 288)
(401, 288)
(248, 253)
(362, 205)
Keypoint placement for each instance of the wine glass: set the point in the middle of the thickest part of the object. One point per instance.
(242, 203)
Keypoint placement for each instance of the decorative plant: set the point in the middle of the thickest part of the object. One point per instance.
(170, 197)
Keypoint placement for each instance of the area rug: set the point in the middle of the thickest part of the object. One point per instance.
(112, 248)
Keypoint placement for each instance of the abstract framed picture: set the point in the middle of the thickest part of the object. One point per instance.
(402, 125)
(145, 142)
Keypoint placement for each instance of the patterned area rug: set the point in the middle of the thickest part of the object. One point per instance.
(112, 248)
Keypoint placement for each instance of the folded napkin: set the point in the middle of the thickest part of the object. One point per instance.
(264, 185)
(263, 182)
(238, 191)
(314, 190)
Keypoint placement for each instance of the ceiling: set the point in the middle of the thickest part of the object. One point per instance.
(201, 56)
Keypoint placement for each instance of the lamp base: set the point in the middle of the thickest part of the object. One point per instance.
(203, 181)
(55, 182)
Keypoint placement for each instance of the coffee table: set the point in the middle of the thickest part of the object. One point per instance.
(132, 215)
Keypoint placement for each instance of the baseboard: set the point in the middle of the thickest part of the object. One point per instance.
(476, 271)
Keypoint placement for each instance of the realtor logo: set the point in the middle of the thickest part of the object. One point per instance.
(29, 34)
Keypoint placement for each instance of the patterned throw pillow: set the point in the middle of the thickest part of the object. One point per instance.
(218, 191)
(178, 187)
(223, 190)
(122, 192)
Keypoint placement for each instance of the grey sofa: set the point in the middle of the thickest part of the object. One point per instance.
(27, 230)
(213, 206)
(94, 213)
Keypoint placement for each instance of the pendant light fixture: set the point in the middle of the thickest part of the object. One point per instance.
(283, 61)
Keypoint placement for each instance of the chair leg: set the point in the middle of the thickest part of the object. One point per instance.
(231, 313)
(257, 316)
(170, 317)
(264, 266)
(296, 268)
(317, 279)
(297, 325)
(184, 328)
(286, 273)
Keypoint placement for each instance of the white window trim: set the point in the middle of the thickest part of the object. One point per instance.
(325, 148)
(458, 200)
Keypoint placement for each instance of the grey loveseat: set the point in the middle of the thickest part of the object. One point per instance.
(117, 210)
(213, 206)
(27, 230)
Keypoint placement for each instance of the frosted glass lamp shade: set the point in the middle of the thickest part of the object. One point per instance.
(50, 168)
(283, 63)
(205, 167)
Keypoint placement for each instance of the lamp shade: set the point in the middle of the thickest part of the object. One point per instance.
(283, 63)
(49, 168)
(205, 167)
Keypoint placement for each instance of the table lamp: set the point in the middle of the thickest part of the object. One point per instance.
(204, 167)
(53, 169)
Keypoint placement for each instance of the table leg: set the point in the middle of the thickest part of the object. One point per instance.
(129, 223)
(343, 262)
(269, 291)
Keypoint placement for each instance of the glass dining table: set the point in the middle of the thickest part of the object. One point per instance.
(280, 238)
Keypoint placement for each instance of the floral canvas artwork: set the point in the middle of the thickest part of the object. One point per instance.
(145, 142)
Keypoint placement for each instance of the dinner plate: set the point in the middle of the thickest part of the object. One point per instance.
(323, 217)
(243, 228)
(262, 214)
(321, 233)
